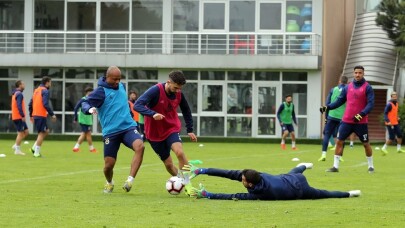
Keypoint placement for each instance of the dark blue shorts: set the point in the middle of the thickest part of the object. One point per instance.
(113, 142)
(331, 128)
(162, 148)
(393, 131)
(40, 124)
(361, 130)
(20, 125)
(85, 128)
(287, 127)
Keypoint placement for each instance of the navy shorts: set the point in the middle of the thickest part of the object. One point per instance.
(331, 128)
(361, 130)
(40, 124)
(393, 131)
(113, 142)
(287, 127)
(162, 148)
(85, 128)
(20, 125)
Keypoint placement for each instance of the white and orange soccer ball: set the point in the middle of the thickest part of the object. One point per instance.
(175, 185)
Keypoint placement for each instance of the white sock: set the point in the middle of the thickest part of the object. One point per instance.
(370, 161)
(323, 153)
(293, 144)
(398, 146)
(385, 146)
(130, 179)
(91, 147)
(17, 148)
(351, 143)
(112, 182)
(35, 144)
(77, 145)
(282, 141)
(336, 161)
(37, 150)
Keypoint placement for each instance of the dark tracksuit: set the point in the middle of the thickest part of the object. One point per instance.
(291, 186)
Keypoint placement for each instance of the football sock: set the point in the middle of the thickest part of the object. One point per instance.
(282, 141)
(385, 146)
(293, 144)
(351, 143)
(77, 145)
(398, 146)
(17, 148)
(91, 147)
(130, 179)
(336, 161)
(37, 150)
(370, 161)
(323, 153)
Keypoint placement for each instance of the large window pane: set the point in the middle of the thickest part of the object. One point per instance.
(81, 16)
(55, 127)
(212, 126)
(115, 16)
(212, 75)
(214, 16)
(5, 99)
(266, 126)
(242, 16)
(70, 126)
(295, 76)
(140, 87)
(190, 91)
(49, 14)
(185, 15)
(270, 16)
(240, 75)
(183, 130)
(50, 72)
(12, 15)
(8, 73)
(143, 74)
(212, 98)
(267, 76)
(239, 98)
(80, 73)
(147, 15)
(299, 96)
(55, 94)
(239, 126)
(6, 124)
(73, 93)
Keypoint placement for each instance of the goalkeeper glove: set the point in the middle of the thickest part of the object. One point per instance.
(357, 118)
(323, 109)
(199, 192)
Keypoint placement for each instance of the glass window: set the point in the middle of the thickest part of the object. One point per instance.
(51, 72)
(8, 73)
(55, 94)
(295, 76)
(302, 127)
(191, 75)
(185, 15)
(81, 16)
(70, 126)
(299, 16)
(239, 126)
(140, 87)
(183, 130)
(73, 93)
(299, 97)
(115, 16)
(240, 75)
(267, 100)
(49, 14)
(151, 10)
(212, 98)
(239, 98)
(143, 74)
(270, 16)
(6, 124)
(266, 126)
(5, 99)
(80, 73)
(190, 91)
(214, 16)
(212, 75)
(55, 127)
(267, 76)
(212, 126)
(12, 15)
(242, 16)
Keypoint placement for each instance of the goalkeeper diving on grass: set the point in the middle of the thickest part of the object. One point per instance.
(264, 186)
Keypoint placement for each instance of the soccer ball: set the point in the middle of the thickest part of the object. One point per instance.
(174, 185)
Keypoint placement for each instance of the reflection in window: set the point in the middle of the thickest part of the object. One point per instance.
(8, 73)
(266, 126)
(191, 75)
(270, 16)
(6, 88)
(185, 15)
(212, 75)
(295, 76)
(50, 72)
(240, 75)
(49, 14)
(214, 16)
(80, 73)
(242, 16)
(55, 127)
(6, 124)
(299, 97)
(151, 10)
(55, 94)
(12, 15)
(70, 126)
(212, 126)
(114, 16)
(212, 98)
(140, 87)
(239, 126)
(190, 91)
(143, 74)
(239, 98)
(372, 5)
(267, 100)
(183, 130)
(302, 127)
(267, 76)
(73, 93)
(81, 16)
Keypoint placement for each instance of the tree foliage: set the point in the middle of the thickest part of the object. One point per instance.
(391, 17)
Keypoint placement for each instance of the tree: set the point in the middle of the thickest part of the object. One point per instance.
(391, 17)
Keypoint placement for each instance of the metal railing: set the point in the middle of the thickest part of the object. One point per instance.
(161, 43)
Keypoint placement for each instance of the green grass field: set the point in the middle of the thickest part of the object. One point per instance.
(64, 189)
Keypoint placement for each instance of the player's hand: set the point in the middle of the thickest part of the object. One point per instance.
(32, 119)
(192, 136)
(326, 120)
(93, 111)
(199, 192)
(23, 119)
(388, 123)
(357, 118)
(323, 109)
(53, 118)
(158, 116)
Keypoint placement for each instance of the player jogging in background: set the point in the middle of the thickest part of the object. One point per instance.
(359, 98)
(18, 116)
(392, 124)
(162, 125)
(39, 109)
(286, 116)
(86, 122)
(333, 117)
(109, 101)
